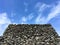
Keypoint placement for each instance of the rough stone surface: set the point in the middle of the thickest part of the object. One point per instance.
(30, 34)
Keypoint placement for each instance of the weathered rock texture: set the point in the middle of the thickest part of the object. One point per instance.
(33, 34)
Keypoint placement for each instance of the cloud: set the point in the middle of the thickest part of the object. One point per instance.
(55, 10)
(40, 20)
(26, 5)
(4, 19)
(30, 16)
(4, 22)
(25, 19)
(41, 6)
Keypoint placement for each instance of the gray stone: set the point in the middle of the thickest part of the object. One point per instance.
(30, 34)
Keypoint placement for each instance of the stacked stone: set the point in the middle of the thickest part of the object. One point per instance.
(33, 34)
(2, 42)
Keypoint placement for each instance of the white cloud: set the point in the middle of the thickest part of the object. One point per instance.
(4, 22)
(40, 20)
(41, 6)
(30, 16)
(25, 19)
(54, 12)
(4, 19)
(23, 22)
(26, 5)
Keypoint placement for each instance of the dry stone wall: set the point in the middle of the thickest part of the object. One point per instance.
(30, 34)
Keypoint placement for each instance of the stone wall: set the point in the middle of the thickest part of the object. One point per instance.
(30, 34)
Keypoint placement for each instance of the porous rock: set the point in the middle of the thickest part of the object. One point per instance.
(30, 34)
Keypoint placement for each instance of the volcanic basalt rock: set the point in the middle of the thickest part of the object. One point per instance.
(30, 34)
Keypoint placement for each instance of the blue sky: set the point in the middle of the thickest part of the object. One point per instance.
(29, 12)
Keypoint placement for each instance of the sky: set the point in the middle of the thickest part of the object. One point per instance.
(29, 12)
